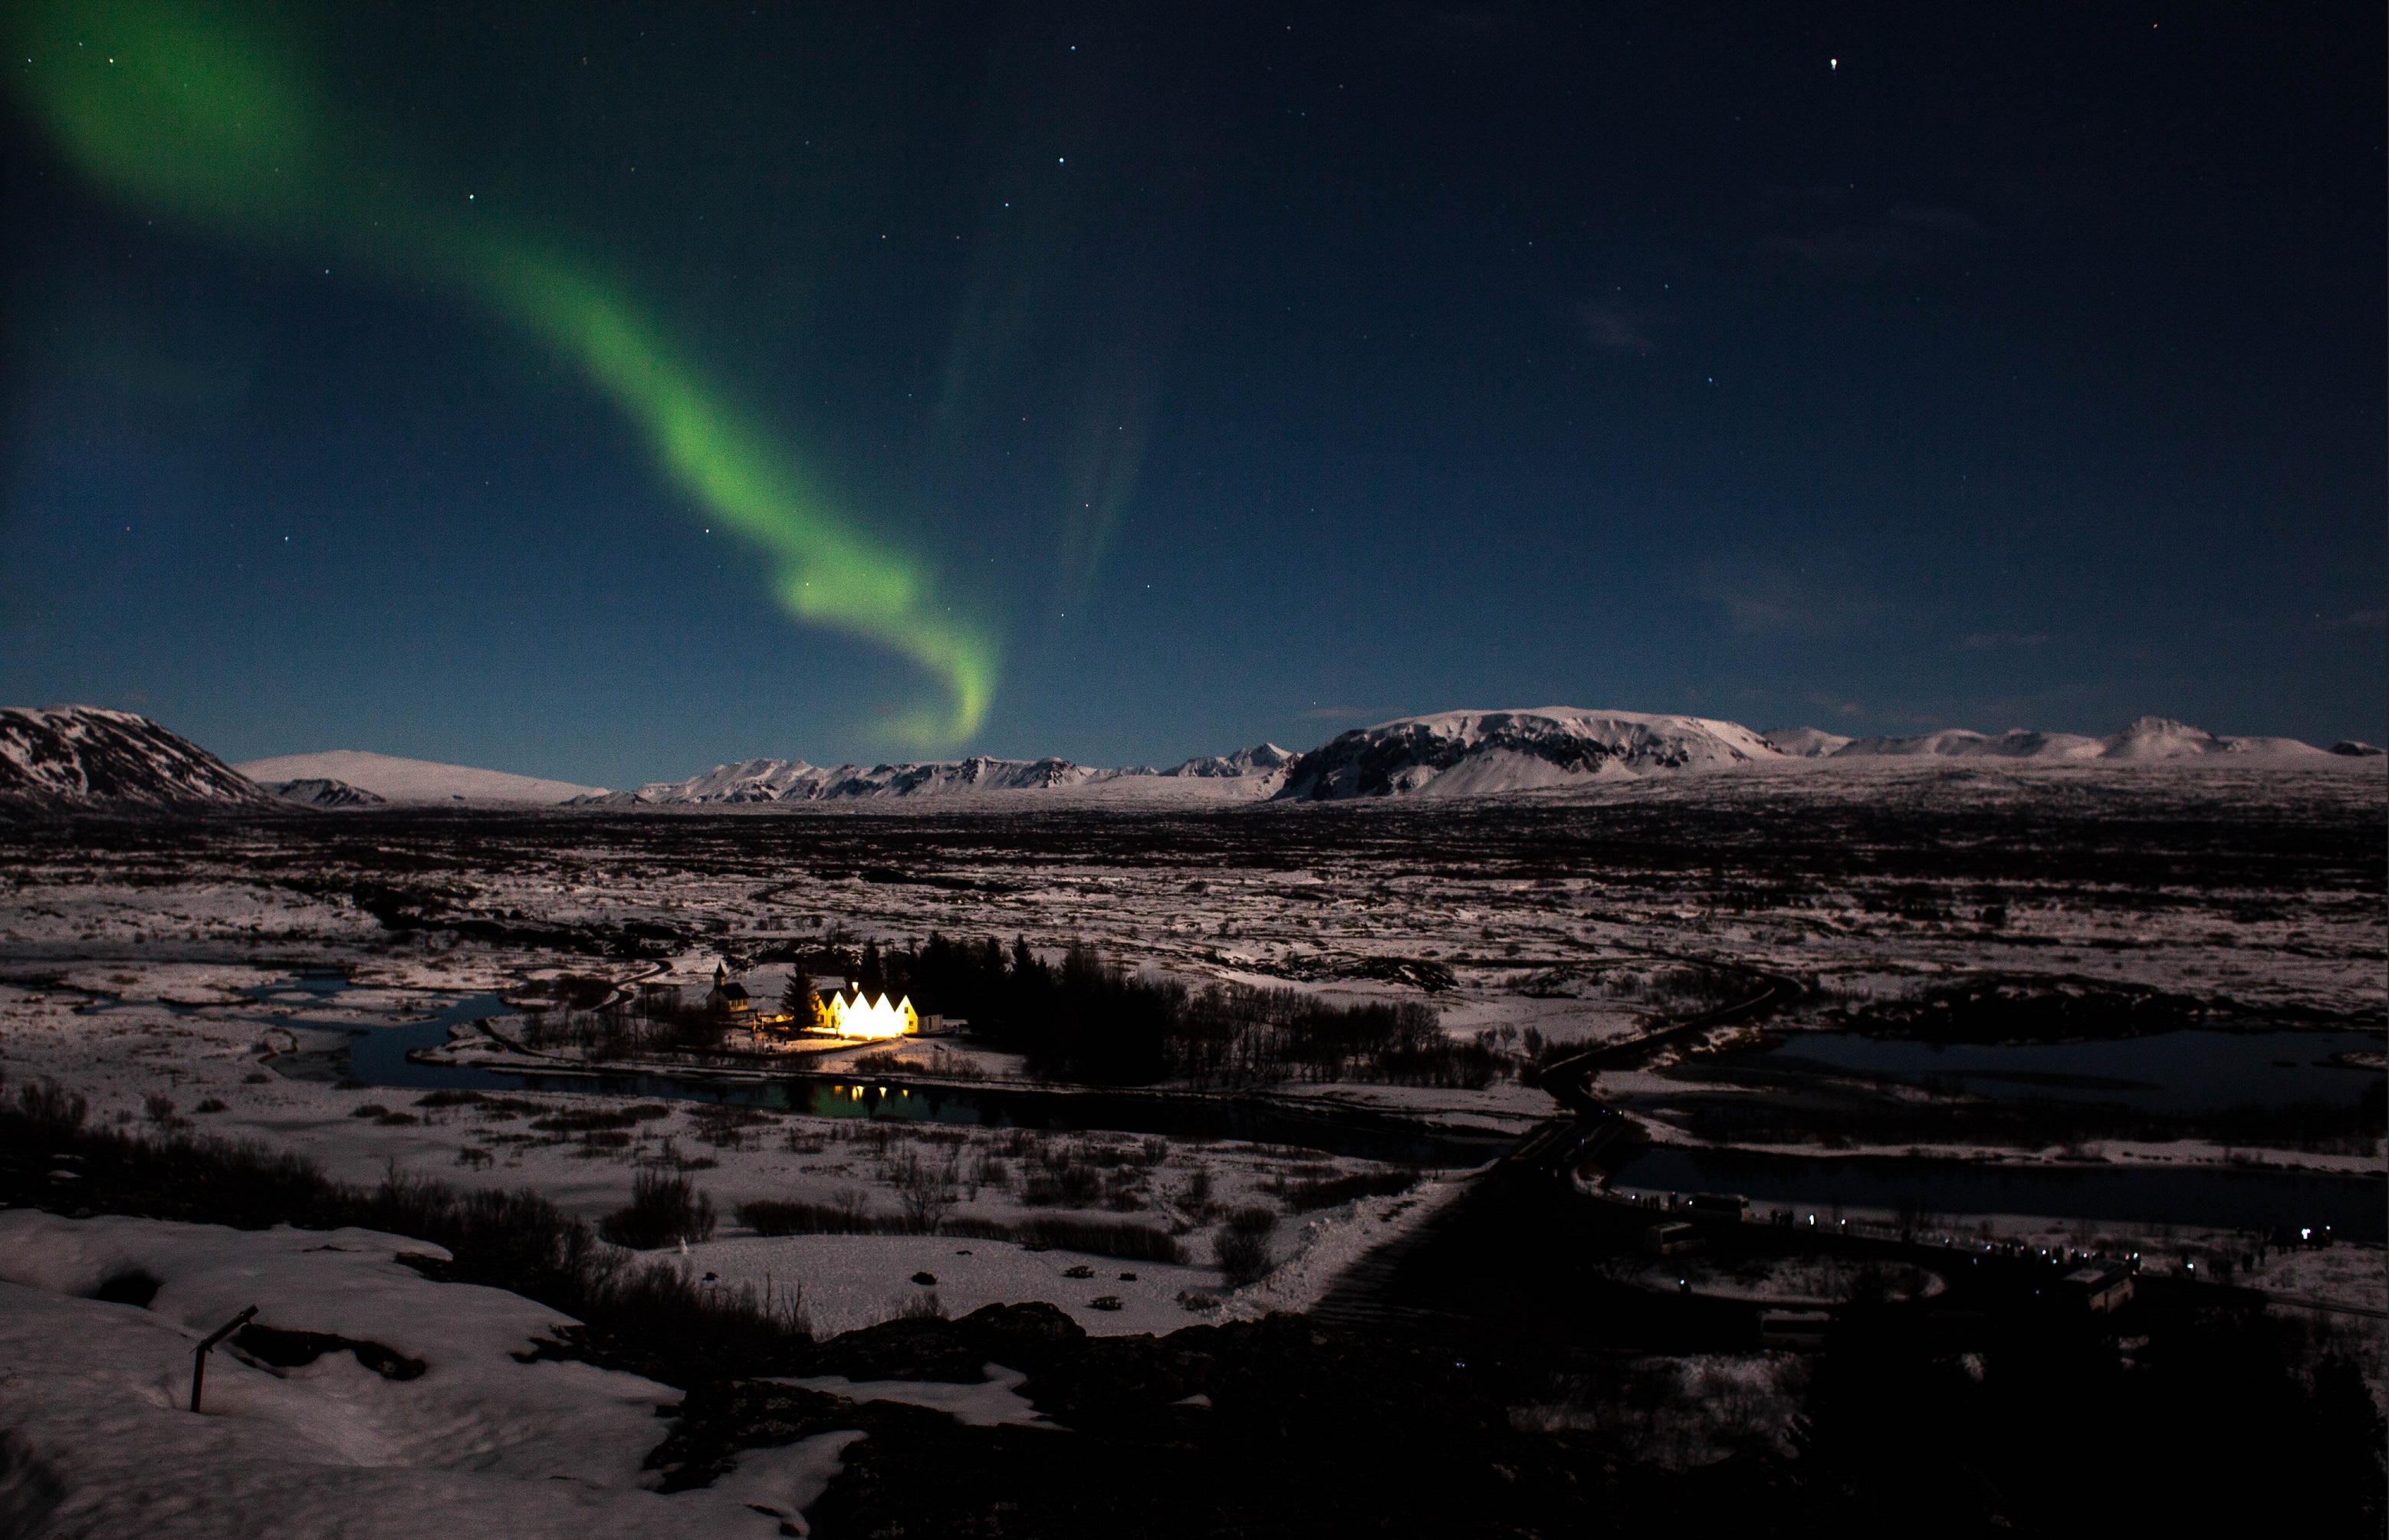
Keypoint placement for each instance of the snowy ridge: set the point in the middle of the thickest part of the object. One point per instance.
(1477, 752)
(87, 754)
(395, 779)
(763, 781)
(2149, 739)
(1263, 759)
(752, 781)
(1806, 743)
(318, 791)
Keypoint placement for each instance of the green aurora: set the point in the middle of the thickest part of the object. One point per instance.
(186, 114)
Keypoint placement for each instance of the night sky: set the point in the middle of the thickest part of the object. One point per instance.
(605, 392)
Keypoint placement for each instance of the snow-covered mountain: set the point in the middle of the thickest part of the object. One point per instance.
(766, 780)
(1260, 760)
(412, 781)
(1806, 743)
(1474, 753)
(1957, 743)
(90, 755)
(753, 781)
(2162, 738)
(317, 792)
(2149, 739)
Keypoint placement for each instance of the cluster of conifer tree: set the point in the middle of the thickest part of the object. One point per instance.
(1087, 1018)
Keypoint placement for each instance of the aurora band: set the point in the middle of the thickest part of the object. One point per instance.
(179, 112)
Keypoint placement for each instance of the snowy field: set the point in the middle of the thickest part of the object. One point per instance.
(227, 976)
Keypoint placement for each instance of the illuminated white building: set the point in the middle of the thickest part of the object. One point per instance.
(860, 1016)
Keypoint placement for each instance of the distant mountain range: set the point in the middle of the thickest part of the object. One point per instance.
(81, 755)
(754, 781)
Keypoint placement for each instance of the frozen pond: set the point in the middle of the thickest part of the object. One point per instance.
(2192, 1071)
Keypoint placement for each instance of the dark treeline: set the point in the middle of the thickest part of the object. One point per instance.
(1090, 1019)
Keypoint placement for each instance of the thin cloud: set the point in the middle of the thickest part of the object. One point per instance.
(1986, 640)
(1805, 600)
(1898, 235)
(1619, 323)
(1838, 706)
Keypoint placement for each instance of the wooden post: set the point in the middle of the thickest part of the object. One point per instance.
(199, 1354)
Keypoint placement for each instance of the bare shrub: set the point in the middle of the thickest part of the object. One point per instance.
(1242, 1246)
(663, 1209)
(928, 1190)
(1063, 1178)
(1123, 1192)
(725, 1127)
(582, 1120)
